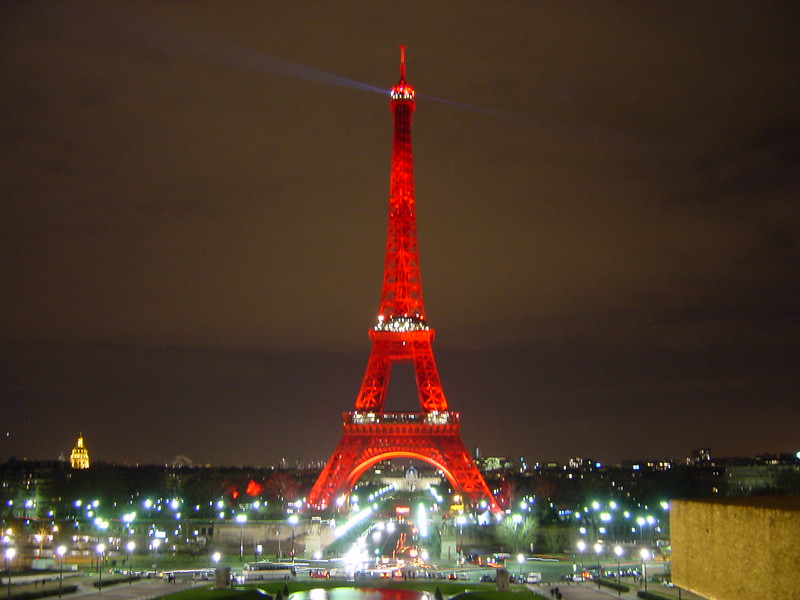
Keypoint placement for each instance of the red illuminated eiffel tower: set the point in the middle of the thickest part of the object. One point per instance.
(401, 334)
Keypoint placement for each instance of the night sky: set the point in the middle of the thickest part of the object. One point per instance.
(194, 203)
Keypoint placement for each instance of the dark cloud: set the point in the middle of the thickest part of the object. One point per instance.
(194, 210)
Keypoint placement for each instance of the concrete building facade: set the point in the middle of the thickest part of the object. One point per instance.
(737, 548)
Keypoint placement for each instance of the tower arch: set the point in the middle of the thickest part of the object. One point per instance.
(360, 469)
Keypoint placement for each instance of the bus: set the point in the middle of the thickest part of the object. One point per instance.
(261, 571)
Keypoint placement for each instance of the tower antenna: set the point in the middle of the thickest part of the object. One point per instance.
(402, 63)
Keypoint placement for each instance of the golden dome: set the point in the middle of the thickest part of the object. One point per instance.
(79, 459)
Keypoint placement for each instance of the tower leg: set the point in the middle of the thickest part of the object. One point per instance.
(372, 395)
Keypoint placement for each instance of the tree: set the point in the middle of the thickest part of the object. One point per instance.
(516, 533)
(554, 538)
(282, 487)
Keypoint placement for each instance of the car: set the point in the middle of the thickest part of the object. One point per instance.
(319, 574)
(533, 578)
(487, 578)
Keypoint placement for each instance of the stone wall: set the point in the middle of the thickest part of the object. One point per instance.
(737, 549)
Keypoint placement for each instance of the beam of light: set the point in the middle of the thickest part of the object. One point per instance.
(155, 39)
(352, 521)
(422, 520)
(175, 43)
(243, 58)
(587, 132)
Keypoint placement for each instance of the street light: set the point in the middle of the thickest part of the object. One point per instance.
(521, 561)
(293, 519)
(131, 546)
(101, 548)
(645, 557)
(61, 551)
(10, 553)
(581, 548)
(618, 552)
(241, 519)
(640, 522)
(156, 543)
(598, 548)
(517, 519)
(461, 519)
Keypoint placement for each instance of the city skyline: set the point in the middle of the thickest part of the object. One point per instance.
(195, 212)
(698, 456)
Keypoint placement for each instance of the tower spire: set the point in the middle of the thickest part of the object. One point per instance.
(401, 294)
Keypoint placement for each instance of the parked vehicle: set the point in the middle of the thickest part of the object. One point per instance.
(319, 574)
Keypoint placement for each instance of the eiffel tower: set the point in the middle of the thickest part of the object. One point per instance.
(370, 434)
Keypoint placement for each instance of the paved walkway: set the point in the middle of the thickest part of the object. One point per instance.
(590, 591)
(144, 589)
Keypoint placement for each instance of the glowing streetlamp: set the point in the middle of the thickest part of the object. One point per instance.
(618, 552)
(101, 548)
(461, 519)
(61, 551)
(241, 519)
(10, 553)
(517, 519)
(215, 557)
(293, 519)
(278, 537)
(131, 545)
(521, 561)
(581, 545)
(156, 543)
(598, 548)
(645, 553)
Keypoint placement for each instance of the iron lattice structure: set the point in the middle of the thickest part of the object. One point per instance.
(401, 335)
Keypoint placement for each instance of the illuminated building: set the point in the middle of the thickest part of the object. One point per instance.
(401, 334)
(79, 458)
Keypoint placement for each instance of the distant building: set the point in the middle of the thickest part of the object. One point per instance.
(492, 463)
(79, 459)
(579, 463)
(763, 478)
(700, 455)
(411, 481)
